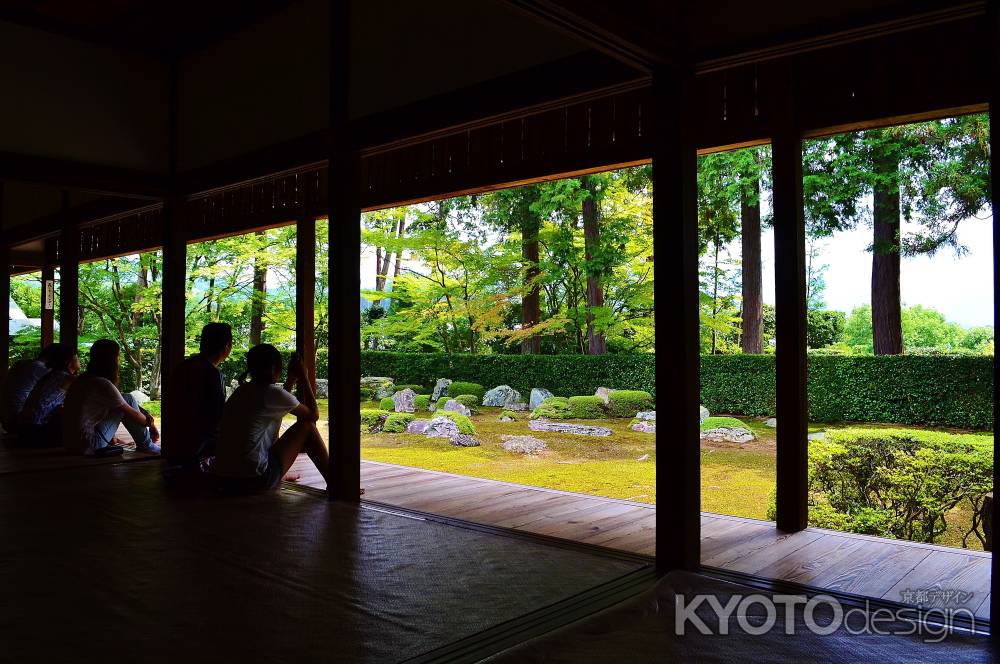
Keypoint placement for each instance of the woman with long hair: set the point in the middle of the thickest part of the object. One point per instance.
(250, 455)
(40, 423)
(95, 407)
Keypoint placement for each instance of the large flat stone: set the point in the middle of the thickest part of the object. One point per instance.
(562, 427)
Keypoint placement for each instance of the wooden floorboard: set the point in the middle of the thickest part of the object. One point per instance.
(845, 562)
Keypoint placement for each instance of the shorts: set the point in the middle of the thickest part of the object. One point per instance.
(265, 481)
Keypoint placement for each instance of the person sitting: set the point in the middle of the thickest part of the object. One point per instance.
(94, 408)
(251, 456)
(21, 379)
(197, 393)
(40, 423)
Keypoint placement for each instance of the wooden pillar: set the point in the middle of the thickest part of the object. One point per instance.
(345, 283)
(675, 248)
(305, 293)
(993, 21)
(173, 299)
(5, 286)
(69, 285)
(790, 314)
(48, 292)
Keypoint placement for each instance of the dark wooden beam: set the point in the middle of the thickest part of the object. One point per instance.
(5, 287)
(345, 240)
(675, 248)
(48, 291)
(790, 313)
(51, 224)
(993, 25)
(69, 285)
(305, 293)
(601, 27)
(93, 178)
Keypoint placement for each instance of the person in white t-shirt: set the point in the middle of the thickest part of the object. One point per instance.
(250, 455)
(94, 408)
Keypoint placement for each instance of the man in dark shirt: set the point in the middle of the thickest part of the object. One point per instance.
(197, 394)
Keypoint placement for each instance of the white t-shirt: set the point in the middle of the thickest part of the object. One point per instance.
(250, 423)
(90, 400)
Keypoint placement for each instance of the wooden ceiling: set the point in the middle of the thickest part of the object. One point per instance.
(156, 27)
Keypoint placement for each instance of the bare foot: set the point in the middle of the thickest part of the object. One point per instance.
(292, 477)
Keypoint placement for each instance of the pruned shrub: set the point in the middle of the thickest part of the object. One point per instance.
(587, 407)
(508, 414)
(422, 402)
(387, 404)
(626, 403)
(553, 408)
(465, 425)
(417, 389)
(716, 422)
(371, 417)
(459, 387)
(397, 422)
(367, 394)
(897, 482)
(469, 400)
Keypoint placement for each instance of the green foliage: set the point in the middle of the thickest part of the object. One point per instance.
(367, 393)
(397, 422)
(417, 389)
(508, 413)
(465, 425)
(460, 387)
(716, 422)
(422, 402)
(922, 328)
(553, 408)
(471, 401)
(587, 407)
(944, 391)
(371, 416)
(626, 403)
(824, 328)
(563, 374)
(897, 482)
(387, 404)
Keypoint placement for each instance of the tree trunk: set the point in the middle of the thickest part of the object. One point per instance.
(887, 328)
(715, 296)
(531, 311)
(596, 343)
(753, 298)
(259, 295)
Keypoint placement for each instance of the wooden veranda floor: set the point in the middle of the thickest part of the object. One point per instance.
(857, 564)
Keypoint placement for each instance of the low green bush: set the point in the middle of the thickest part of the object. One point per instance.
(626, 403)
(471, 401)
(465, 425)
(898, 483)
(367, 394)
(553, 408)
(370, 417)
(387, 404)
(716, 422)
(422, 402)
(417, 389)
(459, 387)
(508, 413)
(587, 408)
(397, 422)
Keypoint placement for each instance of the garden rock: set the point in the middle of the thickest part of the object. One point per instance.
(322, 388)
(604, 393)
(644, 457)
(440, 388)
(562, 427)
(538, 395)
(457, 407)
(506, 418)
(405, 401)
(464, 440)
(703, 414)
(771, 422)
(644, 427)
(418, 426)
(441, 427)
(646, 415)
(520, 405)
(502, 396)
(737, 435)
(139, 396)
(819, 435)
(523, 444)
(383, 386)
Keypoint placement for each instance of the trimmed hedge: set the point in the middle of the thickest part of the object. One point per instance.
(460, 387)
(422, 402)
(553, 408)
(716, 422)
(626, 403)
(397, 422)
(470, 401)
(587, 408)
(387, 403)
(371, 416)
(465, 425)
(906, 389)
